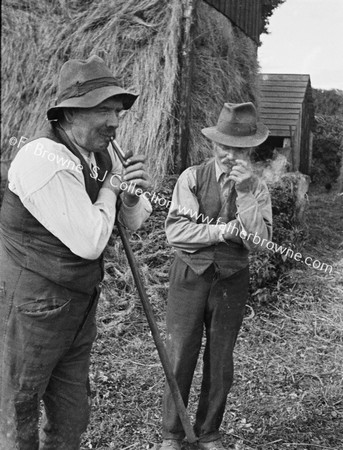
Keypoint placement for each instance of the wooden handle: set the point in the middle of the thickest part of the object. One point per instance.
(180, 406)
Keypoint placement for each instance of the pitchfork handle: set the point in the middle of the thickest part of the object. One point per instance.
(180, 406)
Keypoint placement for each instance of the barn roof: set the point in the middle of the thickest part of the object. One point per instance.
(282, 97)
(245, 14)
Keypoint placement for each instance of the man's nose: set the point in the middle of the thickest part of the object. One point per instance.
(112, 120)
(230, 155)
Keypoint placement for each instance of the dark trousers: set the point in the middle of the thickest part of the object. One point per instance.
(194, 302)
(46, 335)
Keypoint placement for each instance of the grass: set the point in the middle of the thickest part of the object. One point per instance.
(287, 392)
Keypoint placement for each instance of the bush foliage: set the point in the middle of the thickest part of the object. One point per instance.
(328, 102)
(328, 136)
(266, 266)
(327, 149)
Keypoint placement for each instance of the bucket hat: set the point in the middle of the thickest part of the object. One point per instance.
(85, 84)
(237, 126)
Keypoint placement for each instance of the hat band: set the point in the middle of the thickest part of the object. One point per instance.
(79, 89)
(238, 129)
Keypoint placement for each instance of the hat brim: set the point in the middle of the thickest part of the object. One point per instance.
(254, 140)
(92, 99)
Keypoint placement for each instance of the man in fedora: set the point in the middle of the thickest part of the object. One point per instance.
(217, 210)
(58, 212)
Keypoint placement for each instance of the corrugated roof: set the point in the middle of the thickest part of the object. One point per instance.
(281, 98)
(246, 14)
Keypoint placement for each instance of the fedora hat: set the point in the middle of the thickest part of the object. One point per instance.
(85, 84)
(237, 126)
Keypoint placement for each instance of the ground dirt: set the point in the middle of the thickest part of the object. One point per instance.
(288, 388)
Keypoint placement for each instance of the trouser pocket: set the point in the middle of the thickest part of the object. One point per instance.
(49, 308)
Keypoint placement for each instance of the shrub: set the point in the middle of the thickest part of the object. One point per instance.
(328, 137)
(268, 267)
(327, 149)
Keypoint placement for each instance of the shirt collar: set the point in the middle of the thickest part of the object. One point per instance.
(88, 156)
(219, 170)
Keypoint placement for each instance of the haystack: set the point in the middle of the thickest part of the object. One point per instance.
(140, 40)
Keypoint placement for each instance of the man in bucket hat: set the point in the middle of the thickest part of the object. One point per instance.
(58, 213)
(217, 209)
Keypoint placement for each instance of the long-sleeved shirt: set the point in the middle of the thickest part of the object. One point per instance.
(49, 181)
(254, 215)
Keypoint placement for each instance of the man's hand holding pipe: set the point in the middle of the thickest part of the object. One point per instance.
(136, 177)
(242, 175)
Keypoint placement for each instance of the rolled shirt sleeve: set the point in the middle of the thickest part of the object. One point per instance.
(133, 217)
(181, 225)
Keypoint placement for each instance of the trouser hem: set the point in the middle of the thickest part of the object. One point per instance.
(210, 437)
(174, 436)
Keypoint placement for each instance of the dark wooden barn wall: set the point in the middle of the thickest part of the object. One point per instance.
(246, 14)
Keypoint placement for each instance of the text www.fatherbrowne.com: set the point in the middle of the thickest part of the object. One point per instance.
(253, 237)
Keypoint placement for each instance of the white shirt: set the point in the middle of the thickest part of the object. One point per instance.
(49, 181)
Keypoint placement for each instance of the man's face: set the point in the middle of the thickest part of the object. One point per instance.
(92, 128)
(226, 156)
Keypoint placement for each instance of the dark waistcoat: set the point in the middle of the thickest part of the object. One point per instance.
(34, 248)
(229, 257)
